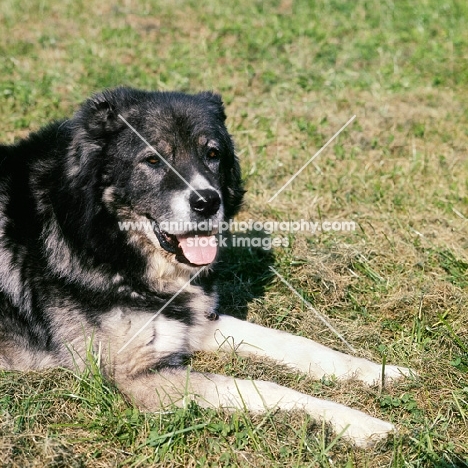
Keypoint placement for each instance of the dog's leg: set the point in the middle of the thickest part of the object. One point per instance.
(178, 386)
(229, 333)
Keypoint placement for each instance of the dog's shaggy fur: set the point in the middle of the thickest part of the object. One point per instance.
(71, 276)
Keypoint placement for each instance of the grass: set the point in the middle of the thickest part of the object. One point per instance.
(291, 74)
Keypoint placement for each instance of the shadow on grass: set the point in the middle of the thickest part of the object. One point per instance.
(242, 272)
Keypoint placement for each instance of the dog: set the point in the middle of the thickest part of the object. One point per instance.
(72, 279)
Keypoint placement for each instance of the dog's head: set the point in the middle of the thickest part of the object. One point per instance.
(165, 165)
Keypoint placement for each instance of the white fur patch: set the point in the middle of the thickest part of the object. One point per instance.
(297, 352)
(200, 183)
(180, 207)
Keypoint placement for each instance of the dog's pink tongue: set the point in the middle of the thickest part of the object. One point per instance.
(199, 250)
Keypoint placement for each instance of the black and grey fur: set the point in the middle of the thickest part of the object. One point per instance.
(70, 278)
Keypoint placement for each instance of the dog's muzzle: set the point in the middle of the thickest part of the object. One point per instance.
(191, 248)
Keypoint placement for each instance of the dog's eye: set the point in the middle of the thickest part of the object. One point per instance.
(212, 153)
(153, 160)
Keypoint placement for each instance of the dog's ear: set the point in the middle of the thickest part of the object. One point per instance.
(233, 190)
(100, 115)
(231, 180)
(216, 103)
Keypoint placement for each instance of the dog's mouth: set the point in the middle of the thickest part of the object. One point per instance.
(194, 249)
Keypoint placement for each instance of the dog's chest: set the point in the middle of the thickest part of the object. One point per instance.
(141, 341)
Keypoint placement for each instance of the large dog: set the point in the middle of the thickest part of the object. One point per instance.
(71, 277)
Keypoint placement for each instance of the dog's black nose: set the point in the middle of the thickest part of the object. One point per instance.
(205, 202)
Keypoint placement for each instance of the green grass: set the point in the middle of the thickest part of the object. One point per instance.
(291, 74)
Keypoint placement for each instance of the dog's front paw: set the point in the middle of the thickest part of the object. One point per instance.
(364, 431)
(396, 373)
(371, 373)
